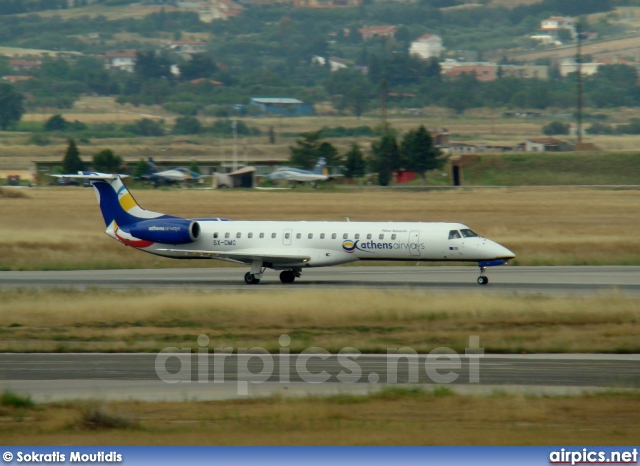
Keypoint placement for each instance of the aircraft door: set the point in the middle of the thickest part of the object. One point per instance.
(286, 237)
(414, 242)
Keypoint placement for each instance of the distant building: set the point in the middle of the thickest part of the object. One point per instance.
(546, 145)
(426, 46)
(219, 10)
(482, 71)
(282, 106)
(569, 65)
(335, 63)
(552, 25)
(524, 71)
(188, 47)
(17, 79)
(463, 148)
(378, 31)
(326, 3)
(25, 65)
(121, 60)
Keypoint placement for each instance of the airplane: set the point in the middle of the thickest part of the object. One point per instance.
(286, 246)
(173, 175)
(319, 173)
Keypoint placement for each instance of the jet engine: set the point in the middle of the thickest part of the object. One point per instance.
(169, 231)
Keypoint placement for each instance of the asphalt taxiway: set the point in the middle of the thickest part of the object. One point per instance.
(184, 376)
(578, 280)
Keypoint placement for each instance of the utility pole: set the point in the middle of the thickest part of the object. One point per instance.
(579, 67)
(384, 105)
(234, 127)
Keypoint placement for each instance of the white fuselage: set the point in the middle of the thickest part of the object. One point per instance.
(332, 243)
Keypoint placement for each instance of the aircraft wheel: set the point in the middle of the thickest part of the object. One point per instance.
(483, 280)
(250, 279)
(287, 276)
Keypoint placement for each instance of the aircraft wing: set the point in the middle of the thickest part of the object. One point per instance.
(242, 257)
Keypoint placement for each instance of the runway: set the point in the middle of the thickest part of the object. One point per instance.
(52, 377)
(568, 280)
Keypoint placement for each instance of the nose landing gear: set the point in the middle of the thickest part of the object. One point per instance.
(482, 279)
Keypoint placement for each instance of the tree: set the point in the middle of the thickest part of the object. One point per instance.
(200, 66)
(350, 90)
(386, 157)
(187, 125)
(306, 152)
(146, 127)
(355, 165)
(56, 123)
(141, 169)
(106, 161)
(11, 108)
(194, 167)
(419, 153)
(150, 66)
(72, 163)
(555, 128)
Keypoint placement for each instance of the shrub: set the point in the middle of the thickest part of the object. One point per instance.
(14, 400)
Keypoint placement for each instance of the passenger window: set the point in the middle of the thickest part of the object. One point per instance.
(273, 235)
(381, 236)
(215, 235)
(298, 236)
(321, 235)
(357, 235)
(369, 236)
(238, 235)
(310, 235)
(286, 235)
(250, 235)
(453, 234)
(345, 236)
(226, 235)
(334, 236)
(393, 236)
(261, 235)
(468, 233)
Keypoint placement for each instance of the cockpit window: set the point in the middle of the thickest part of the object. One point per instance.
(454, 234)
(468, 233)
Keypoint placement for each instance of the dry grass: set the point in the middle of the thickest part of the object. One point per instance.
(370, 320)
(61, 228)
(396, 418)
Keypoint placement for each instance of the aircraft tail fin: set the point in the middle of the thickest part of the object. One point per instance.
(116, 202)
(321, 167)
(152, 167)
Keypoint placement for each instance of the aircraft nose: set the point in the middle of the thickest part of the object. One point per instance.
(503, 253)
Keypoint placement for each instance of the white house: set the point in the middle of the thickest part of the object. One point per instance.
(335, 63)
(188, 47)
(569, 65)
(123, 60)
(426, 46)
(554, 24)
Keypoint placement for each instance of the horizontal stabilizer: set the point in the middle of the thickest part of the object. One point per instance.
(92, 176)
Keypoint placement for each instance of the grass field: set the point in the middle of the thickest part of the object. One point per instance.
(392, 417)
(61, 228)
(371, 321)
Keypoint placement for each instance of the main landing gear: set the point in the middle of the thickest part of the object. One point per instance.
(250, 279)
(257, 270)
(289, 276)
